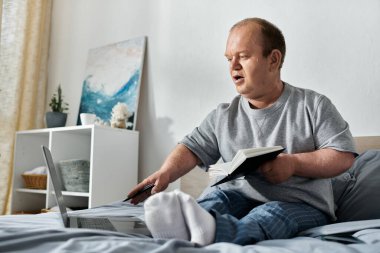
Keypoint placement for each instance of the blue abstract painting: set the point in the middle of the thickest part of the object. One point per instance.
(113, 74)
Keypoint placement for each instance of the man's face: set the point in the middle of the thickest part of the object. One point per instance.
(250, 71)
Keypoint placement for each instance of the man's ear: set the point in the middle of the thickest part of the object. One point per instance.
(275, 59)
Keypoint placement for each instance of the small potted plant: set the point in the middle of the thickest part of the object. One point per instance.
(57, 117)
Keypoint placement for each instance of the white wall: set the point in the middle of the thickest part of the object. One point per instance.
(333, 48)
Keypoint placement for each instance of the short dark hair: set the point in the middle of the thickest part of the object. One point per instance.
(272, 36)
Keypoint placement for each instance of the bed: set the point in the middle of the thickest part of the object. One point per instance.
(45, 232)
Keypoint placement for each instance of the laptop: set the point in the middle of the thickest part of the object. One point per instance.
(125, 224)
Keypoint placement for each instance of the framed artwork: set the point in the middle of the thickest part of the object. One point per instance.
(112, 76)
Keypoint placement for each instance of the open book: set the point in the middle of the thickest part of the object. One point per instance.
(244, 162)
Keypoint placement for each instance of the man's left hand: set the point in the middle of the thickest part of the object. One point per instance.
(278, 170)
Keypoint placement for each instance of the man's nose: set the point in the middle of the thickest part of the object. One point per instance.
(235, 63)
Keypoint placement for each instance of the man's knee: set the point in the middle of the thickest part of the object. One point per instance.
(290, 217)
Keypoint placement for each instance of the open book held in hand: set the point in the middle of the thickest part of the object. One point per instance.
(244, 162)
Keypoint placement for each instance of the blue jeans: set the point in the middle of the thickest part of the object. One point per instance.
(244, 221)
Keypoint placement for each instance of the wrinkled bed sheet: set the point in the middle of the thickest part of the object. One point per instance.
(45, 233)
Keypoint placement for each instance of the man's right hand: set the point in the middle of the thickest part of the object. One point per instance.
(180, 161)
(159, 179)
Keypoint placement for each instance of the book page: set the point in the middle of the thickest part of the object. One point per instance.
(228, 167)
(219, 169)
(259, 151)
(243, 154)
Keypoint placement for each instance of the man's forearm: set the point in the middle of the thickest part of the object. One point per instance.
(322, 163)
(180, 161)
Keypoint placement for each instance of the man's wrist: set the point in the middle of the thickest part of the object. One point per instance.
(294, 163)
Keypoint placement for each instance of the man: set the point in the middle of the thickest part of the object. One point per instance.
(286, 195)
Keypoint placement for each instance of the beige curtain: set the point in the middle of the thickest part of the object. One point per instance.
(25, 29)
(1, 12)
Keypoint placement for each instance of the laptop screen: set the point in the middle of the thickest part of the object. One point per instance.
(57, 184)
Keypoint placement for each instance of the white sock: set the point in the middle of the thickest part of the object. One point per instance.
(200, 223)
(164, 218)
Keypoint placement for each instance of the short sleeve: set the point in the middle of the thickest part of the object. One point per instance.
(331, 130)
(202, 141)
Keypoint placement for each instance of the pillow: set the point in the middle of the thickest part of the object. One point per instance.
(357, 191)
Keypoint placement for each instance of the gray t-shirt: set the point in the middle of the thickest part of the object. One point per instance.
(301, 120)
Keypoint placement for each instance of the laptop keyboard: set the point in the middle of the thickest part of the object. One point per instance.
(95, 223)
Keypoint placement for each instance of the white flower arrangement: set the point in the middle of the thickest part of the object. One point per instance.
(119, 115)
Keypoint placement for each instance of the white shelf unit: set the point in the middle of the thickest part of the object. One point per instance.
(113, 156)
